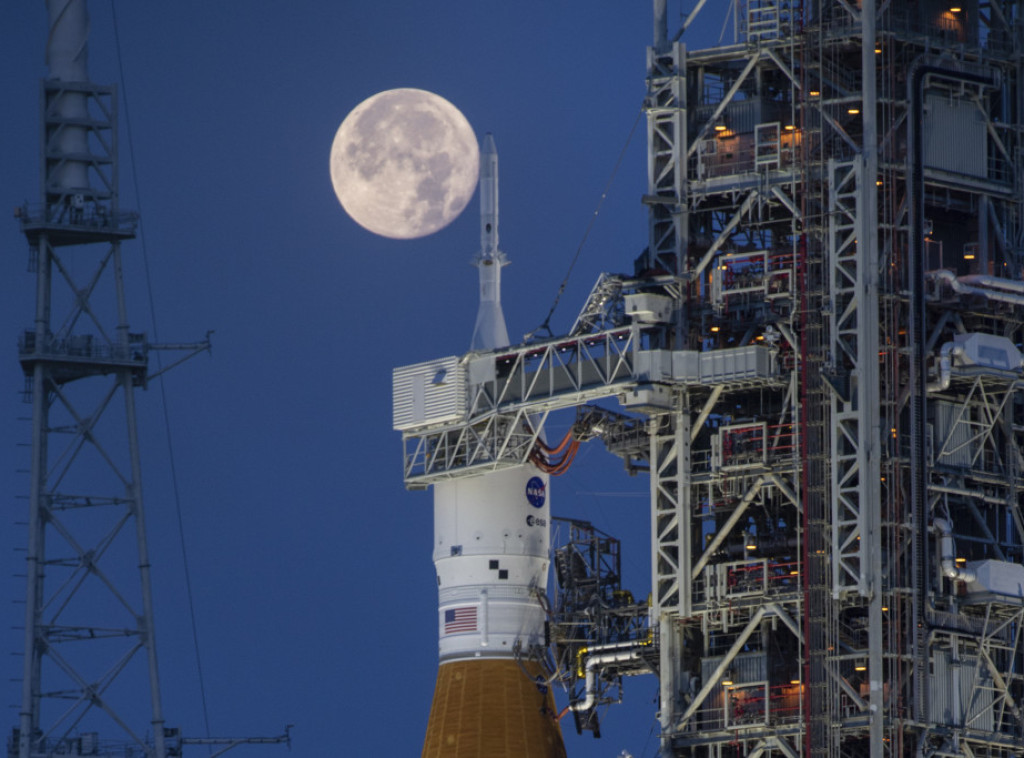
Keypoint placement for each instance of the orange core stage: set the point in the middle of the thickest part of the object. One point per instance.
(488, 707)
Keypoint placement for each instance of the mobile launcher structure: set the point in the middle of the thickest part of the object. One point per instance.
(817, 362)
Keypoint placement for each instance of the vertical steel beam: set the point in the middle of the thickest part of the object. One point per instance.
(32, 662)
(134, 495)
(868, 391)
(671, 554)
(666, 155)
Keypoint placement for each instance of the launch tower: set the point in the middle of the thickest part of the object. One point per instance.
(817, 360)
(843, 185)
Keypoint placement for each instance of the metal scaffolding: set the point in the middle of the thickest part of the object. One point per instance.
(836, 534)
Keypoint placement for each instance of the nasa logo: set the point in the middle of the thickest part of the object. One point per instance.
(535, 491)
(532, 520)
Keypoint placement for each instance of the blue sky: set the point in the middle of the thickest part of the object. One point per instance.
(313, 585)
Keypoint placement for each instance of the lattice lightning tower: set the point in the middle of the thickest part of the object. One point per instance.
(89, 611)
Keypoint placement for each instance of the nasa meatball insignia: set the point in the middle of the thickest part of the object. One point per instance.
(536, 491)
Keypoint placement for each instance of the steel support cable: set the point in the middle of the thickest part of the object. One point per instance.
(163, 392)
(546, 325)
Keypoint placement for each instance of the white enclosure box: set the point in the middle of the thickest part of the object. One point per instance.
(650, 397)
(647, 308)
(428, 393)
(653, 366)
(988, 350)
(1000, 578)
(736, 364)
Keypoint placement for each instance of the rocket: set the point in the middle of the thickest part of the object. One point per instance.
(491, 543)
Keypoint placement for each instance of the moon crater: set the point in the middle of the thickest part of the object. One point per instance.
(404, 163)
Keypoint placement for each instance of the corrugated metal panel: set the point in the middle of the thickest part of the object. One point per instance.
(955, 136)
(734, 364)
(961, 693)
(953, 444)
(686, 365)
(741, 116)
(427, 393)
(744, 668)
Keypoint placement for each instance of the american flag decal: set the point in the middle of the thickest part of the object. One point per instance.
(460, 620)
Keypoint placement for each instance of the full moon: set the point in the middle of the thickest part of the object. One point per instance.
(404, 163)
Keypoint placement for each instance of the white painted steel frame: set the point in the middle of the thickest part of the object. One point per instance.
(666, 150)
(511, 392)
(674, 568)
(668, 241)
(848, 312)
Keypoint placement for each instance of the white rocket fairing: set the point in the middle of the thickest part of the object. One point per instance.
(491, 532)
(491, 541)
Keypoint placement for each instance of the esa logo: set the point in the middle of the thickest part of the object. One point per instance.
(532, 520)
(536, 491)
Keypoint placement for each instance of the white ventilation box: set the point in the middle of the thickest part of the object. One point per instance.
(428, 393)
(650, 397)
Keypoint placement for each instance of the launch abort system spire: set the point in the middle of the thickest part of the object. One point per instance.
(490, 331)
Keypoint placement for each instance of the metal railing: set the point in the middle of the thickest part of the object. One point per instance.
(89, 216)
(80, 346)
